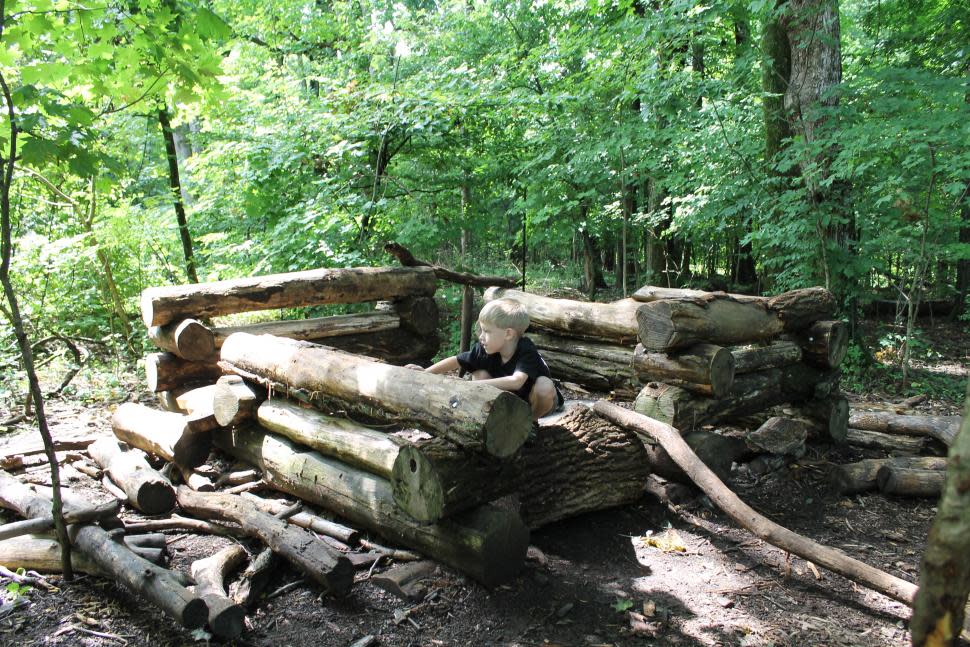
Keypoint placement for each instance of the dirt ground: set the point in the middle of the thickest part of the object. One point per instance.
(588, 581)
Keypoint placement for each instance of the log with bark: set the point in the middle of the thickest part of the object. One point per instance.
(161, 305)
(41, 553)
(825, 343)
(942, 428)
(853, 478)
(407, 259)
(189, 339)
(163, 433)
(890, 443)
(399, 347)
(479, 417)
(404, 580)
(827, 417)
(487, 543)
(611, 322)
(144, 487)
(759, 357)
(250, 585)
(671, 324)
(226, 617)
(100, 513)
(166, 371)
(306, 520)
(704, 368)
(593, 374)
(903, 481)
(298, 546)
(314, 329)
(155, 584)
(830, 558)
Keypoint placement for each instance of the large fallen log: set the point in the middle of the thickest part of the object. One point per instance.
(649, 293)
(487, 543)
(942, 428)
(166, 371)
(315, 329)
(910, 482)
(594, 365)
(671, 324)
(189, 339)
(161, 305)
(742, 514)
(417, 314)
(714, 450)
(476, 416)
(163, 433)
(612, 322)
(853, 478)
(299, 547)
(226, 617)
(145, 488)
(701, 364)
(155, 584)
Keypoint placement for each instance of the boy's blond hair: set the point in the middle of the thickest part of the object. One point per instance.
(505, 313)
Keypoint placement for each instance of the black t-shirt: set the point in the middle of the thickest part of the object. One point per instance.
(526, 359)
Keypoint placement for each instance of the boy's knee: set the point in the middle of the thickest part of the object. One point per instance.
(481, 374)
(543, 397)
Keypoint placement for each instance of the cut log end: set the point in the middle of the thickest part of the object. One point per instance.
(504, 545)
(226, 618)
(722, 372)
(417, 487)
(657, 332)
(194, 614)
(507, 425)
(156, 497)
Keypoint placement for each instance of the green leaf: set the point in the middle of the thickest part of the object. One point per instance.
(36, 151)
(622, 604)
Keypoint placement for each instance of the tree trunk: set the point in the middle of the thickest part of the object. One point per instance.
(487, 543)
(700, 364)
(165, 434)
(176, 186)
(944, 581)
(305, 552)
(188, 339)
(942, 428)
(480, 417)
(152, 582)
(161, 305)
(611, 322)
(145, 488)
(854, 478)
(167, 372)
(467, 318)
(714, 450)
(315, 329)
(776, 72)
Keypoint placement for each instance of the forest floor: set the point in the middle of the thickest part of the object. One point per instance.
(584, 577)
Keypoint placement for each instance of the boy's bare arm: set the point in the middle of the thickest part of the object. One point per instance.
(446, 365)
(512, 382)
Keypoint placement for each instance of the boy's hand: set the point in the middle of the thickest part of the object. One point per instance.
(414, 367)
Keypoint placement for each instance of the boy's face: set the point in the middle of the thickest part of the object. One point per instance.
(493, 338)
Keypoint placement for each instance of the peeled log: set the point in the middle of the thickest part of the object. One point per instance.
(233, 401)
(476, 416)
(649, 293)
(773, 354)
(165, 371)
(152, 582)
(162, 433)
(313, 329)
(308, 554)
(189, 339)
(487, 543)
(825, 343)
(42, 554)
(145, 488)
(721, 319)
(903, 481)
(614, 322)
(704, 364)
(942, 428)
(161, 305)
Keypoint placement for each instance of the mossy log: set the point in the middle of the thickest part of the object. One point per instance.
(144, 486)
(166, 372)
(612, 322)
(151, 582)
(161, 305)
(189, 339)
(476, 416)
(302, 549)
(487, 543)
(704, 365)
(163, 433)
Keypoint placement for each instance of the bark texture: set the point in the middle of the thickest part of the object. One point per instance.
(314, 329)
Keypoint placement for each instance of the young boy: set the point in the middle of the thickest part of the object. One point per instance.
(504, 358)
